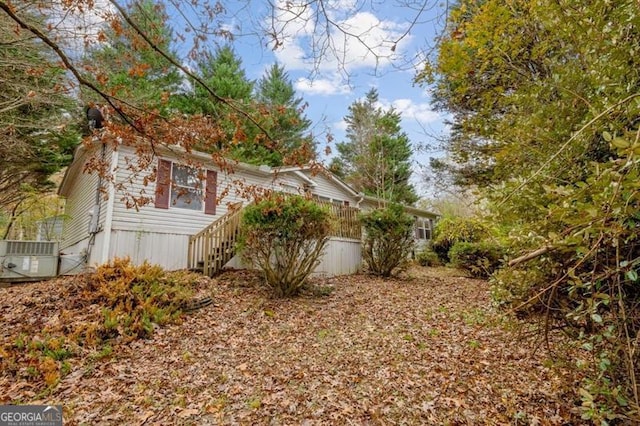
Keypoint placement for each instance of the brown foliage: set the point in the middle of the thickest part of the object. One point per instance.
(81, 316)
(422, 350)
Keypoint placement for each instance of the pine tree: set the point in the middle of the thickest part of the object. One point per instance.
(287, 126)
(126, 67)
(376, 158)
(223, 73)
(37, 128)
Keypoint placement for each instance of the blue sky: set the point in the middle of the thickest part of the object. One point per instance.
(332, 82)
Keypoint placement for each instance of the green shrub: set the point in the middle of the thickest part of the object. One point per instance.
(388, 240)
(511, 287)
(285, 237)
(428, 258)
(451, 230)
(478, 259)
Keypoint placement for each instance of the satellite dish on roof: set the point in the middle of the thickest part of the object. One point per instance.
(95, 118)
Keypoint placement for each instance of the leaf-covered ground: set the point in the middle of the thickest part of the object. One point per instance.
(424, 349)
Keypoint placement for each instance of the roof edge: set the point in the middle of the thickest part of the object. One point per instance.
(409, 209)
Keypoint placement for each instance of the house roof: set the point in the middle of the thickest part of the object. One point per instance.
(409, 209)
(314, 170)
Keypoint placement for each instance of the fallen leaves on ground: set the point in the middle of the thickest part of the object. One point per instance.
(424, 349)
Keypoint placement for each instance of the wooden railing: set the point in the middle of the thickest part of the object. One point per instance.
(346, 223)
(211, 248)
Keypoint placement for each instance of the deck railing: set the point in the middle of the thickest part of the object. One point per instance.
(346, 223)
(211, 248)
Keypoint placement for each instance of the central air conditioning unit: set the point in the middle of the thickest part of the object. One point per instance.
(28, 260)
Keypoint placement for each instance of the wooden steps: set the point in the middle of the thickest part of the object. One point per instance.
(214, 246)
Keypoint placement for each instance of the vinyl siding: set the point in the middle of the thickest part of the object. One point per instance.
(80, 199)
(164, 249)
(341, 257)
(161, 236)
(327, 187)
(174, 220)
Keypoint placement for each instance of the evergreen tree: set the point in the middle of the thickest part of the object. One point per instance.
(37, 129)
(224, 75)
(376, 158)
(287, 125)
(126, 67)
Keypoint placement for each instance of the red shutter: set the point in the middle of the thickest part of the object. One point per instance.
(346, 204)
(210, 192)
(163, 184)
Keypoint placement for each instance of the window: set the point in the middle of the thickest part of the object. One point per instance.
(423, 229)
(182, 187)
(186, 191)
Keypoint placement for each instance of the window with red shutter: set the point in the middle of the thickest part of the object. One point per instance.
(180, 186)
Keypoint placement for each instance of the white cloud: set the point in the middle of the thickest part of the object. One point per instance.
(340, 125)
(357, 40)
(76, 25)
(342, 5)
(322, 87)
(292, 19)
(292, 57)
(409, 109)
(367, 41)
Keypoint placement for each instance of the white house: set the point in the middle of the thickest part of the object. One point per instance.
(99, 225)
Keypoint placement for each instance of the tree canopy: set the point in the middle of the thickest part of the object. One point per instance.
(376, 157)
(128, 68)
(222, 72)
(37, 118)
(544, 97)
(288, 126)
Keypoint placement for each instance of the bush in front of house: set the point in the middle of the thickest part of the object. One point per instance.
(451, 230)
(479, 259)
(428, 257)
(388, 240)
(285, 238)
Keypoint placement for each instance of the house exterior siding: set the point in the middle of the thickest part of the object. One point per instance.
(80, 196)
(161, 235)
(174, 220)
(341, 256)
(325, 187)
(166, 249)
